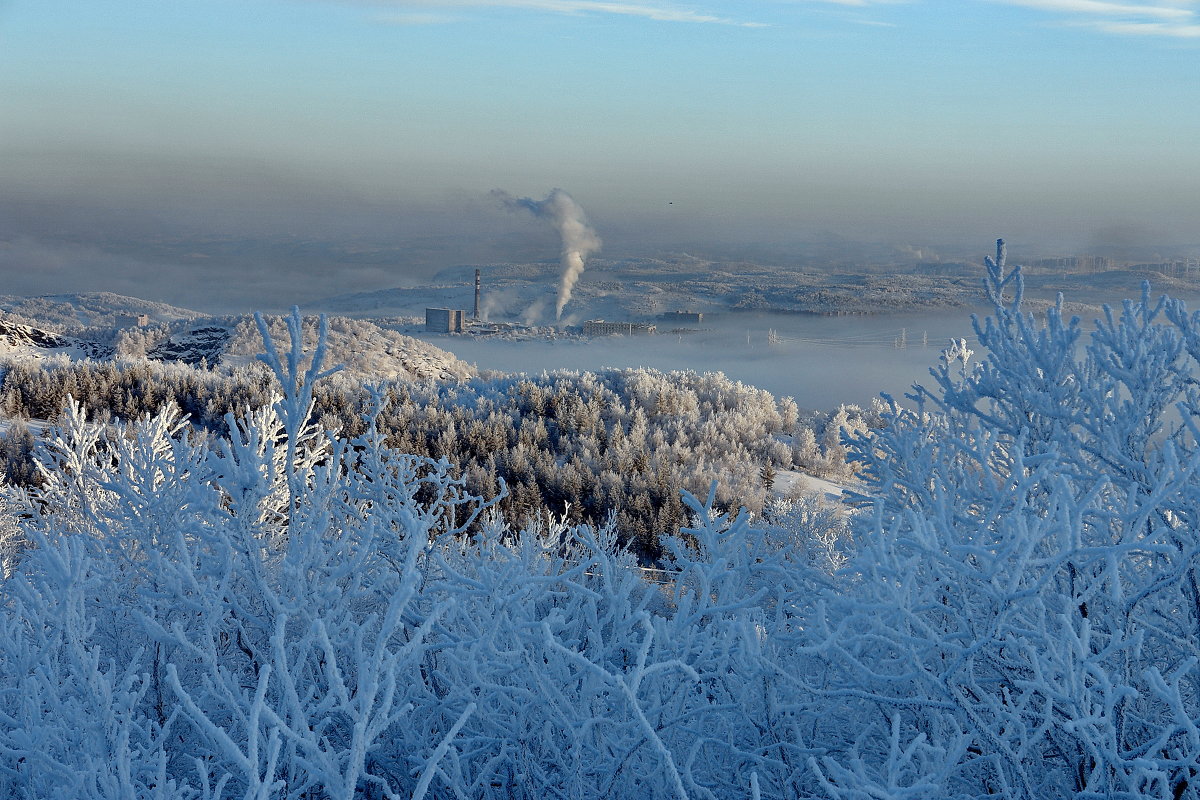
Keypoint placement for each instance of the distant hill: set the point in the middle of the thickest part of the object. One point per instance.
(20, 339)
(644, 288)
(41, 327)
(362, 347)
(89, 309)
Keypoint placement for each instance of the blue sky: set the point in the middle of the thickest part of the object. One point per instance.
(931, 121)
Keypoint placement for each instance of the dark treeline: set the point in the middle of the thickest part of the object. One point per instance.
(579, 445)
(587, 444)
(127, 390)
(124, 390)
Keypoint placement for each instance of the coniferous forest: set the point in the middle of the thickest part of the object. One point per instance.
(577, 445)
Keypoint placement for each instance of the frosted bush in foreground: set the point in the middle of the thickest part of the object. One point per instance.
(285, 614)
(289, 614)
(1027, 615)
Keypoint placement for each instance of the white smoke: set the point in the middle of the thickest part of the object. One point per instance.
(578, 239)
(533, 314)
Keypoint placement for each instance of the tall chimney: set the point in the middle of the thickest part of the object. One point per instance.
(476, 295)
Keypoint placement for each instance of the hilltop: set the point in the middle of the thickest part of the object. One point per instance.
(102, 326)
(59, 312)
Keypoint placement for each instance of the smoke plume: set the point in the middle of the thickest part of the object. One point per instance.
(578, 239)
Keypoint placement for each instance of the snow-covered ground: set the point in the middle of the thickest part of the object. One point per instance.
(90, 309)
(790, 483)
(36, 426)
(362, 347)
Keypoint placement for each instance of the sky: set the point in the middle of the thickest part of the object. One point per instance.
(237, 152)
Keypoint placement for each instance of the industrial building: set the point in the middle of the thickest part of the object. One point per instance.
(598, 327)
(444, 320)
(132, 320)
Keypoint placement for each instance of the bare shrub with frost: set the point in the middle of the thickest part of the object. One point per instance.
(1026, 618)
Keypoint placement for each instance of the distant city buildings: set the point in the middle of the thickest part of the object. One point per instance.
(444, 320)
(598, 327)
(1183, 266)
(1087, 264)
(1074, 263)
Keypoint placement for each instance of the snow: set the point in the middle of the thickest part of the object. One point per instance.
(90, 309)
(365, 349)
(791, 483)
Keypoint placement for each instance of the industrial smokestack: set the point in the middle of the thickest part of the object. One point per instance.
(578, 239)
(476, 317)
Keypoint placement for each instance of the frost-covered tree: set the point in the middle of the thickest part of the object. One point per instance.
(243, 613)
(659, 432)
(1024, 619)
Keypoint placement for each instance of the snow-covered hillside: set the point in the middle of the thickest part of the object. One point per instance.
(19, 339)
(644, 288)
(178, 335)
(90, 309)
(362, 348)
(1012, 615)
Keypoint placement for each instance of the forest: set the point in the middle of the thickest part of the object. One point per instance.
(580, 445)
(278, 611)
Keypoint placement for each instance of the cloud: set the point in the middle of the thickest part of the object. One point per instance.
(1104, 8)
(857, 3)
(1171, 18)
(1150, 29)
(417, 18)
(658, 12)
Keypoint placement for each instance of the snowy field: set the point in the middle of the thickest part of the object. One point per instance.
(793, 483)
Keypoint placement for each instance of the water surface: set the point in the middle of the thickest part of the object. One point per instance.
(820, 361)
